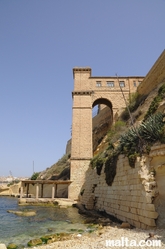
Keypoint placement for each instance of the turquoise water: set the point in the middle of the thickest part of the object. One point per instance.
(19, 230)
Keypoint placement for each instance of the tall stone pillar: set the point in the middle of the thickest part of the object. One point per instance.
(27, 191)
(53, 190)
(21, 193)
(37, 190)
(81, 147)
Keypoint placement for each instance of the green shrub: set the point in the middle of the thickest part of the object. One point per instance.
(125, 115)
(110, 168)
(133, 143)
(132, 160)
(114, 132)
(98, 162)
(134, 102)
(147, 148)
(153, 107)
(110, 146)
(34, 176)
(156, 101)
(129, 141)
(139, 140)
(99, 165)
(93, 161)
(63, 159)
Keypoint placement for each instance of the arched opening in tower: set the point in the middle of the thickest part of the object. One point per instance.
(102, 119)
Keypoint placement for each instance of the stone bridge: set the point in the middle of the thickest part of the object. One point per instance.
(88, 92)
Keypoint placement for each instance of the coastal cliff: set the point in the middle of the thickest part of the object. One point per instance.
(10, 190)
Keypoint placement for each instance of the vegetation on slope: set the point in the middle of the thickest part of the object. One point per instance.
(136, 141)
(55, 171)
(156, 101)
(134, 102)
(35, 176)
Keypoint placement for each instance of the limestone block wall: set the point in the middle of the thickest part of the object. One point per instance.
(155, 76)
(158, 163)
(83, 81)
(133, 193)
(78, 169)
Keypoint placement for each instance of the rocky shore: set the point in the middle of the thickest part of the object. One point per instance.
(109, 234)
(10, 190)
(100, 239)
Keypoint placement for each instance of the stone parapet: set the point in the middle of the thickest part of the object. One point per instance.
(155, 76)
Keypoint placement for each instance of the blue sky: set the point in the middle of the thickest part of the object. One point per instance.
(40, 42)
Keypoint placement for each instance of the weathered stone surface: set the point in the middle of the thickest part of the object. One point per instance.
(3, 246)
(12, 190)
(22, 213)
(34, 242)
(131, 196)
(125, 225)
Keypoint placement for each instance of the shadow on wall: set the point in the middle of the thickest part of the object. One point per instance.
(158, 163)
(134, 197)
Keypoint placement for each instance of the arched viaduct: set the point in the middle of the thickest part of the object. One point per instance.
(88, 92)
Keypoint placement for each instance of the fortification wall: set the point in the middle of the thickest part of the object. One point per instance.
(136, 195)
(155, 76)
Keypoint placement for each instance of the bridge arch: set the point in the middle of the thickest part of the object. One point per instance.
(102, 119)
(88, 92)
(102, 101)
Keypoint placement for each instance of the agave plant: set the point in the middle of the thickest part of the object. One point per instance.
(129, 140)
(133, 143)
(151, 129)
(136, 140)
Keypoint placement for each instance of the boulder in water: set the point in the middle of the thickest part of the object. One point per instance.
(12, 246)
(34, 242)
(22, 213)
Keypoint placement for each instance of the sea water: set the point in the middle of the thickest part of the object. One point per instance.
(48, 219)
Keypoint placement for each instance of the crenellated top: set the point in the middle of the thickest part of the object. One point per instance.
(87, 70)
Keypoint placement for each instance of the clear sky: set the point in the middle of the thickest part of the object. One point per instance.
(40, 42)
